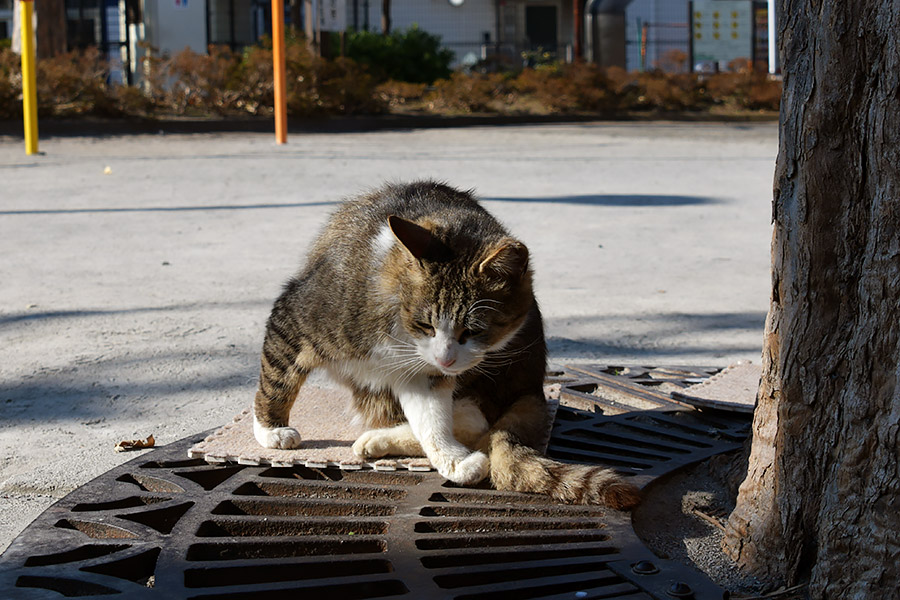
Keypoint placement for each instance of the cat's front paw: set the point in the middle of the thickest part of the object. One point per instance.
(468, 471)
(283, 438)
(372, 444)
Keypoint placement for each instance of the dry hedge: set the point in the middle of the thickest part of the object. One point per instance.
(226, 83)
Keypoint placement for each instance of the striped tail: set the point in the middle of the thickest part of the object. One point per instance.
(520, 468)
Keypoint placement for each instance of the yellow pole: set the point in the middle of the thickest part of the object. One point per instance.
(29, 80)
(279, 71)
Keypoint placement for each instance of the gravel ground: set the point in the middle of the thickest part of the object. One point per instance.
(669, 522)
(138, 271)
(669, 525)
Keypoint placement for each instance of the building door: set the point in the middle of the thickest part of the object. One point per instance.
(540, 27)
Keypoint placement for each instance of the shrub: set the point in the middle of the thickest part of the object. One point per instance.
(131, 100)
(763, 93)
(674, 61)
(345, 88)
(413, 55)
(568, 88)
(471, 93)
(75, 83)
(626, 87)
(10, 84)
(71, 84)
(228, 83)
(316, 86)
(744, 90)
(254, 80)
(578, 87)
(680, 91)
(204, 82)
(397, 94)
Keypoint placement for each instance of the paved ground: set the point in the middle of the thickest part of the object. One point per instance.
(137, 272)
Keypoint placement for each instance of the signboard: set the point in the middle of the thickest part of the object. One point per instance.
(332, 15)
(722, 30)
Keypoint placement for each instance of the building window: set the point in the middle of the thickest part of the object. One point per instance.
(6, 19)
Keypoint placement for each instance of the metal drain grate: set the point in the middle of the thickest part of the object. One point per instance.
(162, 526)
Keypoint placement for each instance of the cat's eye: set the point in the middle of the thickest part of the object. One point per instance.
(467, 334)
(425, 328)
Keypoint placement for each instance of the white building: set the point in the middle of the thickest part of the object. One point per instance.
(634, 34)
(656, 28)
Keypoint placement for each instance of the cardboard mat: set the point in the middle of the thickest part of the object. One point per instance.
(733, 389)
(324, 420)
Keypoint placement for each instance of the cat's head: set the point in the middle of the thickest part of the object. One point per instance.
(461, 295)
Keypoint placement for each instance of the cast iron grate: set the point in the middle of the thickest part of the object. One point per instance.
(162, 526)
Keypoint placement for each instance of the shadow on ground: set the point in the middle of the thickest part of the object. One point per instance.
(96, 387)
(150, 209)
(656, 334)
(626, 200)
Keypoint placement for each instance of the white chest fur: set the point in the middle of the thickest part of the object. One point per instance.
(386, 368)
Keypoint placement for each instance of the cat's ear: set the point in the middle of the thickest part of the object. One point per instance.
(508, 261)
(420, 242)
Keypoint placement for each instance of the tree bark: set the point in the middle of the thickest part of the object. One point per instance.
(51, 28)
(385, 17)
(296, 11)
(578, 18)
(820, 501)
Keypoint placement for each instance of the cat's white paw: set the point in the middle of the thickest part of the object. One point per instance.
(374, 443)
(283, 438)
(468, 471)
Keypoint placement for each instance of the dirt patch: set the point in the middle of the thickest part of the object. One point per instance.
(681, 518)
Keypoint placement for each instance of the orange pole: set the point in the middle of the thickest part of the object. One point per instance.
(279, 71)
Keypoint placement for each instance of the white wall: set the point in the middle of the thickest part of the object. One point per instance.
(461, 28)
(173, 25)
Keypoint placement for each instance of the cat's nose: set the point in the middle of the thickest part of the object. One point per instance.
(446, 363)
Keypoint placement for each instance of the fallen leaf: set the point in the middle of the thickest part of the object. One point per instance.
(126, 445)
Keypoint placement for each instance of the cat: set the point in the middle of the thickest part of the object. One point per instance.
(418, 300)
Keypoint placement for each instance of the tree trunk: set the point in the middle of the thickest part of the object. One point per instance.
(385, 17)
(578, 18)
(296, 11)
(310, 18)
(820, 500)
(51, 28)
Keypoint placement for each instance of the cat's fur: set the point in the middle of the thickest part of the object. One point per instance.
(419, 300)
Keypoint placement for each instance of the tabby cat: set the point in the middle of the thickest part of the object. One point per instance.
(416, 298)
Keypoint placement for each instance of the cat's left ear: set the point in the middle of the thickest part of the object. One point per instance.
(508, 261)
(420, 242)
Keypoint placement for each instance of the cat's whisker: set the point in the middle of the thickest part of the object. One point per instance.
(404, 352)
(518, 351)
(402, 365)
(498, 361)
(480, 305)
(399, 363)
(480, 308)
(479, 369)
(477, 302)
(402, 342)
(412, 371)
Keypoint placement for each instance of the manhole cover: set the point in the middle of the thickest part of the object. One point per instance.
(164, 526)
